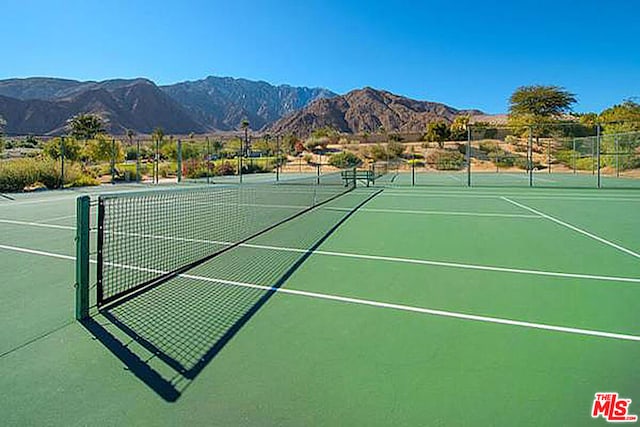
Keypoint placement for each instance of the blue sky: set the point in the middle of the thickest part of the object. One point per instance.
(468, 54)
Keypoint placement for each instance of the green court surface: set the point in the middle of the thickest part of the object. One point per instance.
(394, 305)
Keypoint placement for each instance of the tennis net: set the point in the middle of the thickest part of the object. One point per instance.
(145, 238)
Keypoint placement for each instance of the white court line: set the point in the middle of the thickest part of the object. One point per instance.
(452, 213)
(497, 195)
(35, 252)
(44, 221)
(573, 227)
(372, 303)
(29, 202)
(370, 257)
(36, 224)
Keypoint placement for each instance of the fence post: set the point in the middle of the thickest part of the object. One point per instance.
(179, 166)
(598, 153)
(137, 160)
(208, 158)
(530, 156)
(549, 155)
(468, 156)
(616, 143)
(575, 156)
(113, 161)
(62, 154)
(83, 209)
(278, 158)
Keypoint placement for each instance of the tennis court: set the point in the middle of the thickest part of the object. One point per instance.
(379, 305)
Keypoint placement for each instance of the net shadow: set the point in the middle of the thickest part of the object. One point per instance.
(169, 333)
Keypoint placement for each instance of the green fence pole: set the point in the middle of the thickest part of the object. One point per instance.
(137, 160)
(179, 155)
(468, 156)
(598, 153)
(113, 161)
(208, 159)
(83, 209)
(530, 155)
(575, 154)
(617, 145)
(62, 154)
(278, 154)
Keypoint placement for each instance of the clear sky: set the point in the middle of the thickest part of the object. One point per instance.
(468, 54)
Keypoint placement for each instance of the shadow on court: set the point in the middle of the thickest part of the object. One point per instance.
(169, 333)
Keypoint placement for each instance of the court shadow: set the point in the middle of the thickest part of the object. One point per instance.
(169, 333)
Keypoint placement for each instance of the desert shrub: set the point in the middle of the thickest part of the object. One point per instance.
(307, 158)
(223, 168)
(18, 174)
(416, 163)
(584, 164)
(378, 152)
(395, 149)
(488, 146)
(446, 160)
(345, 159)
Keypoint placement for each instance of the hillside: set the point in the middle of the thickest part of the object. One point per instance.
(124, 104)
(366, 110)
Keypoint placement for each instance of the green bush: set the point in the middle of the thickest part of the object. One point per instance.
(344, 160)
(488, 146)
(446, 160)
(18, 174)
(416, 163)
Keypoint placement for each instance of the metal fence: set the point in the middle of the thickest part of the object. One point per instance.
(527, 157)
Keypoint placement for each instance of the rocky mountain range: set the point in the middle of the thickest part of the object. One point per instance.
(223, 102)
(42, 106)
(367, 110)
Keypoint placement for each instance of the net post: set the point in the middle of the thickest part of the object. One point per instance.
(83, 207)
(179, 159)
(598, 152)
(62, 154)
(530, 156)
(318, 174)
(468, 156)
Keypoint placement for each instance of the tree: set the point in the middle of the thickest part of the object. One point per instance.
(53, 148)
(85, 126)
(102, 149)
(437, 132)
(623, 117)
(458, 129)
(540, 103)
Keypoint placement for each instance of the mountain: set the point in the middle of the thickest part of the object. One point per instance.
(42, 106)
(223, 102)
(366, 110)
